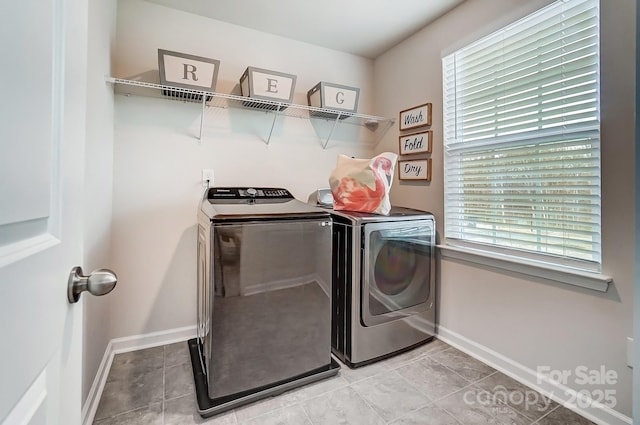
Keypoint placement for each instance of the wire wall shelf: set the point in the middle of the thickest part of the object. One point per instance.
(376, 126)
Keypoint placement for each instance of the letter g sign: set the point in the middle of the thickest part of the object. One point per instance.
(340, 97)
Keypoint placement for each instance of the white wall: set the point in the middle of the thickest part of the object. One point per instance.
(531, 321)
(158, 161)
(98, 182)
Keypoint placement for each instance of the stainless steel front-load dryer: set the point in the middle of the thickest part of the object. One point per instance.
(383, 283)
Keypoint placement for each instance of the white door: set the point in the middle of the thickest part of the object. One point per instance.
(42, 129)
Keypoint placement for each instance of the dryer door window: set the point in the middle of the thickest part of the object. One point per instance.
(397, 274)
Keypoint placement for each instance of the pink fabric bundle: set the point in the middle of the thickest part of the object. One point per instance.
(363, 184)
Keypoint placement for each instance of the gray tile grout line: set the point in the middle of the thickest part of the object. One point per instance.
(446, 412)
(450, 394)
(389, 368)
(162, 401)
(306, 414)
(125, 412)
(236, 421)
(533, 421)
(255, 403)
(139, 407)
(433, 404)
(273, 410)
(366, 377)
(477, 380)
(433, 401)
(471, 384)
(466, 379)
(368, 404)
(298, 402)
(422, 356)
(415, 359)
(418, 391)
(323, 393)
(430, 403)
(412, 361)
(537, 421)
(177, 397)
(520, 414)
(449, 413)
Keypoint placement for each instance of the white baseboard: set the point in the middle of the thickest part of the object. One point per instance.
(95, 392)
(559, 393)
(153, 339)
(123, 345)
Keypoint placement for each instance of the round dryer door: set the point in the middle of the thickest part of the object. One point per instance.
(397, 272)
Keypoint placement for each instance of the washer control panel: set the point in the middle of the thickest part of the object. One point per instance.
(221, 195)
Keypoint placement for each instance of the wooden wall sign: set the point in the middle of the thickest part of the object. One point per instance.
(418, 116)
(416, 143)
(417, 169)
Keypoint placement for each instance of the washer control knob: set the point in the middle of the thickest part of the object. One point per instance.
(252, 192)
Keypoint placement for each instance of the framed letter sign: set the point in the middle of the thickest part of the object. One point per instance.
(418, 169)
(418, 116)
(187, 71)
(416, 143)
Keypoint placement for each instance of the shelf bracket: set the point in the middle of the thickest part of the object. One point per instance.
(204, 100)
(273, 123)
(384, 131)
(333, 127)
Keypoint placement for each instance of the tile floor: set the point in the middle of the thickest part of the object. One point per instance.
(434, 384)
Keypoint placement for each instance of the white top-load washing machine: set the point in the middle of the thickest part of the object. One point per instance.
(264, 296)
(383, 283)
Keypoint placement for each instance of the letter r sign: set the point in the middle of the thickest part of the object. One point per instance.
(187, 71)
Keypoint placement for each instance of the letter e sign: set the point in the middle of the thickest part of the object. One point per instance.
(187, 71)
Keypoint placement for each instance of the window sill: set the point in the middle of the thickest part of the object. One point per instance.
(593, 281)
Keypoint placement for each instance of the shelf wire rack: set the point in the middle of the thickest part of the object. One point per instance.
(375, 124)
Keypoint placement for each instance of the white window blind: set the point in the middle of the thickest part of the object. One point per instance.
(522, 138)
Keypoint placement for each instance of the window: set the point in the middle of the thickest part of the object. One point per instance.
(522, 139)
